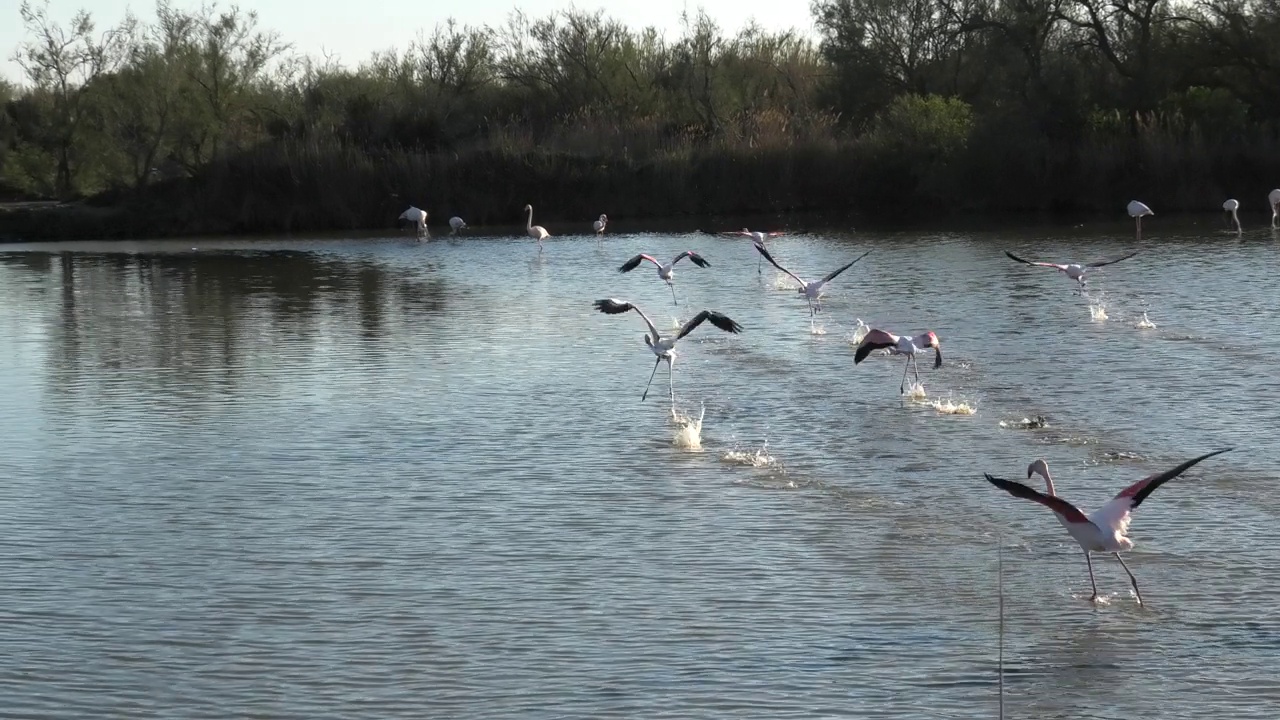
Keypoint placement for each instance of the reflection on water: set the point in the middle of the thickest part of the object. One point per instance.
(322, 479)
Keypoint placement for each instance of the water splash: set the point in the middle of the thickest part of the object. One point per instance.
(758, 458)
(816, 329)
(915, 391)
(688, 435)
(1034, 423)
(1097, 311)
(1145, 323)
(948, 406)
(783, 282)
(859, 332)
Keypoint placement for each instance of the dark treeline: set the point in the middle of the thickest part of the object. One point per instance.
(204, 121)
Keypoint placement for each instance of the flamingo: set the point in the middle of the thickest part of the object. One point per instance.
(1136, 211)
(758, 238)
(900, 345)
(417, 217)
(1103, 530)
(665, 272)
(812, 291)
(537, 232)
(1075, 271)
(600, 224)
(664, 348)
(1231, 206)
(457, 224)
(1273, 199)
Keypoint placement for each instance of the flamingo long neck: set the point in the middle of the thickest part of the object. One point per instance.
(1048, 481)
(528, 225)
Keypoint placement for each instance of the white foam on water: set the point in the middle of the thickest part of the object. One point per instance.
(1145, 323)
(688, 434)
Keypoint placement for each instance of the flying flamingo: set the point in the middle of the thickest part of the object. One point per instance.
(812, 291)
(417, 217)
(600, 224)
(1273, 199)
(666, 272)
(1136, 211)
(1232, 206)
(537, 232)
(457, 224)
(758, 238)
(664, 348)
(1075, 271)
(900, 345)
(1103, 530)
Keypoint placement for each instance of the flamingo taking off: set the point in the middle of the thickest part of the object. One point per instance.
(1075, 271)
(600, 224)
(1137, 211)
(900, 345)
(1103, 530)
(1273, 199)
(664, 348)
(1230, 207)
(665, 272)
(537, 232)
(812, 291)
(457, 223)
(756, 237)
(417, 217)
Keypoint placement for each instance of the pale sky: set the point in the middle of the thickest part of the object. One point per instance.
(354, 30)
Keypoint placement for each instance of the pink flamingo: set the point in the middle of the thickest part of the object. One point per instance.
(1104, 529)
(900, 345)
(665, 272)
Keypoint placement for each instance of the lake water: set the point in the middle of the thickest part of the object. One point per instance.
(373, 477)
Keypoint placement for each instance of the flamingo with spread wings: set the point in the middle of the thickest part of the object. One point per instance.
(812, 291)
(758, 238)
(1104, 530)
(665, 272)
(900, 345)
(1075, 271)
(664, 347)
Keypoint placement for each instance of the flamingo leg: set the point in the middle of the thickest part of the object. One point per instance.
(811, 313)
(902, 388)
(916, 367)
(671, 386)
(1092, 582)
(646, 385)
(673, 293)
(1132, 579)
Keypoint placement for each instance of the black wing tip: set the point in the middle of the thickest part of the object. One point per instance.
(724, 322)
(612, 306)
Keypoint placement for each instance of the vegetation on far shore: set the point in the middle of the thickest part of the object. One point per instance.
(202, 121)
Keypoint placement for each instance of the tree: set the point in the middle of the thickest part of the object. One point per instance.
(65, 63)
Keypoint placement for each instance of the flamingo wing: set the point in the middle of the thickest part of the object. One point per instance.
(1057, 266)
(634, 262)
(1115, 514)
(1112, 262)
(613, 306)
(695, 257)
(1068, 511)
(836, 272)
(718, 319)
(873, 340)
(773, 262)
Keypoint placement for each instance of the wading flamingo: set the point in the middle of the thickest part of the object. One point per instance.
(457, 224)
(417, 217)
(664, 348)
(1103, 530)
(537, 232)
(1230, 207)
(812, 291)
(1075, 271)
(600, 224)
(1273, 199)
(900, 345)
(1136, 211)
(758, 238)
(665, 272)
